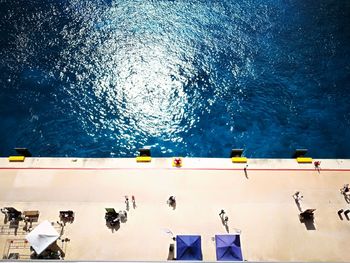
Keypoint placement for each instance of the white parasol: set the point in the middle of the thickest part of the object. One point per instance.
(42, 236)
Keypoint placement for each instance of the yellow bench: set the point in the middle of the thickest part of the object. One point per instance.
(304, 160)
(143, 159)
(239, 159)
(16, 158)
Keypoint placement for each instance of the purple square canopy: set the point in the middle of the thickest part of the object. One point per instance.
(228, 248)
(188, 247)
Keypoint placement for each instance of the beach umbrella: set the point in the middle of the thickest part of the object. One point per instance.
(42, 236)
(188, 247)
(228, 248)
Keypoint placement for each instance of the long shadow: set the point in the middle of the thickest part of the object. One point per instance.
(14, 225)
(56, 248)
(114, 227)
(134, 205)
(62, 230)
(222, 220)
(64, 245)
(227, 228)
(225, 224)
(298, 204)
(27, 226)
(339, 214)
(309, 224)
(54, 251)
(171, 253)
(347, 198)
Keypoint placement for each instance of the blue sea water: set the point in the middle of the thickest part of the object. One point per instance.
(102, 78)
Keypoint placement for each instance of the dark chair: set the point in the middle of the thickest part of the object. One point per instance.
(12, 214)
(236, 153)
(307, 215)
(67, 216)
(172, 201)
(112, 217)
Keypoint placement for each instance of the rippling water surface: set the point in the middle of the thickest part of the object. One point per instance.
(194, 78)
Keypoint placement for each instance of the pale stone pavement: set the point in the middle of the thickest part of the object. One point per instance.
(260, 205)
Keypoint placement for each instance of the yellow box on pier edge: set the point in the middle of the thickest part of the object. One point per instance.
(143, 159)
(16, 158)
(239, 159)
(304, 160)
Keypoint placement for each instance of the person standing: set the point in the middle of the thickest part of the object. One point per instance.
(127, 202)
(133, 201)
(222, 213)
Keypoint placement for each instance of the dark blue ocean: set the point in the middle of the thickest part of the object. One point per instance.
(102, 78)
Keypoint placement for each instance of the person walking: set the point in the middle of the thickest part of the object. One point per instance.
(133, 201)
(127, 202)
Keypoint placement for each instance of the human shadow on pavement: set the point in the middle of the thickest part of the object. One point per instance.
(297, 202)
(171, 253)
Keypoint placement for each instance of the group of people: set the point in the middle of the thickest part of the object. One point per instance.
(127, 202)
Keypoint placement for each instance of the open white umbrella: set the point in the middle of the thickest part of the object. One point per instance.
(42, 236)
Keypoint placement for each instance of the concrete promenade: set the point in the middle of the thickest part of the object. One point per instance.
(259, 205)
